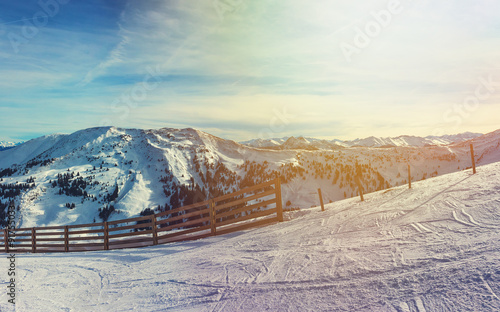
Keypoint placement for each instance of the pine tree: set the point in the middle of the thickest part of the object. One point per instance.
(115, 193)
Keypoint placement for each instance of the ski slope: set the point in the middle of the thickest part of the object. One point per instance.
(434, 247)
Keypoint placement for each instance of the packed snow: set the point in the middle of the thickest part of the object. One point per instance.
(433, 247)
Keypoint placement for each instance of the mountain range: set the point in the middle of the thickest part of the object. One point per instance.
(110, 173)
(316, 144)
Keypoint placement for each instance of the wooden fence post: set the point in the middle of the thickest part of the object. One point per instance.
(279, 204)
(33, 240)
(66, 239)
(6, 239)
(409, 177)
(153, 227)
(473, 160)
(106, 236)
(211, 208)
(321, 200)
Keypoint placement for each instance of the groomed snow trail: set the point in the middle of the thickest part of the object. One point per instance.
(434, 247)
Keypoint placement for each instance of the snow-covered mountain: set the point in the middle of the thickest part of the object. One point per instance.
(112, 173)
(296, 143)
(404, 140)
(454, 138)
(434, 247)
(6, 145)
(408, 140)
(293, 143)
(263, 143)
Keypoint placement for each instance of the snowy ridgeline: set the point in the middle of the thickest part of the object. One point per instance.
(434, 247)
(109, 173)
(315, 144)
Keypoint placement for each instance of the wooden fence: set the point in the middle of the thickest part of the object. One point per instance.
(250, 207)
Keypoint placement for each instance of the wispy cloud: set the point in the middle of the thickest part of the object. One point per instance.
(227, 75)
(116, 56)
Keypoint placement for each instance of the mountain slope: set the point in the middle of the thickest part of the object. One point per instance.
(434, 247)
(110, 173)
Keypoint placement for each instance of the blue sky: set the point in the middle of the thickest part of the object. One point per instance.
(245, 69)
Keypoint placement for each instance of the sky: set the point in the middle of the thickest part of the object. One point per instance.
(244, 69)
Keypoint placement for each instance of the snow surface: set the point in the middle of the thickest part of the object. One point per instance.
(434, 247)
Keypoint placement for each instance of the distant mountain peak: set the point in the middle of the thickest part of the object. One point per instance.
(4, 145)
(371, 141)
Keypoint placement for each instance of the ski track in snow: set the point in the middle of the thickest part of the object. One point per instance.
(454, 213)
(419, 250)
(471, 219)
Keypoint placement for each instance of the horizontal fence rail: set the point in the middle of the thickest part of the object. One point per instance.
(250, 207)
